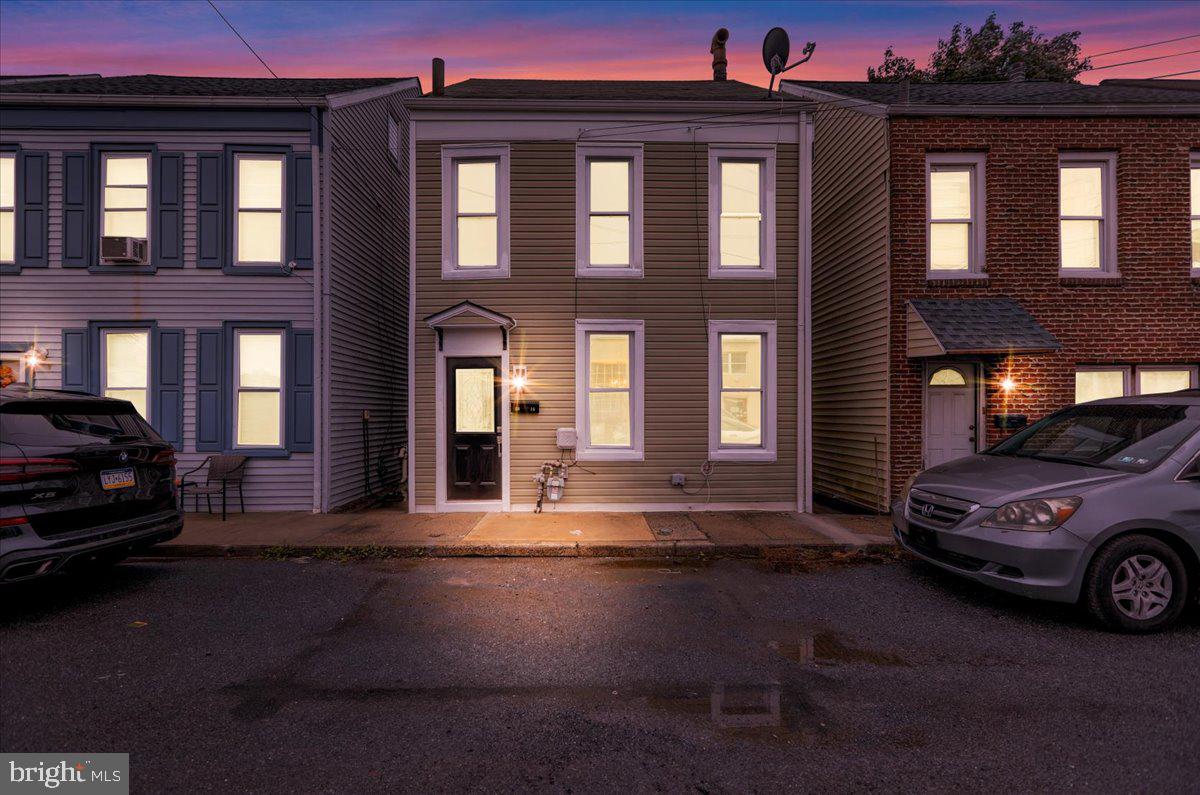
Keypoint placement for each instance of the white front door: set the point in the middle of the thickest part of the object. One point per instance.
(949, 413)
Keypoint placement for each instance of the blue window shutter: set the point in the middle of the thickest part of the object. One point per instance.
(210, 394)
(34, 212)
(77, 221)
(168, 386)
(300, 210)
(166, 236)
(300, 393)
(75, 354)
(210, 210)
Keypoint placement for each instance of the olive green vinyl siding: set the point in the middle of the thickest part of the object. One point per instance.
(850, 308)
(38, 303)
(545, 298)
(368, 300)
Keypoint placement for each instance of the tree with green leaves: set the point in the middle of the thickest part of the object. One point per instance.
(976, 56)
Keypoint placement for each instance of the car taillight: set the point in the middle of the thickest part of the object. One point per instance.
(22, 470)
(166, 458)
(13, 521)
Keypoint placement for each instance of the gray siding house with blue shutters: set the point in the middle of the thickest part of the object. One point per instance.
(263, 307)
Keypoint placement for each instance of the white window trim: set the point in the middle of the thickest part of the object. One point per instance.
(104, 332)
(1194, 163)
(1108, 226)
(123, 155)
(238, 389)
(583, 266)
(768, 451)
(12, 208)
(238, 157)
(766, 154)
(1136, 387)
(450, 154)
(976, 163)
(637, 391)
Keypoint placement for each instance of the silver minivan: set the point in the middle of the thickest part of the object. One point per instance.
(1098, 503)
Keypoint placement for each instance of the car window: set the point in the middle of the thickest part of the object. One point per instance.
(38, 424)
(1136, 437)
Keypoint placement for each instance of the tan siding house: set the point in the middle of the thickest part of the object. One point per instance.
(669, 362)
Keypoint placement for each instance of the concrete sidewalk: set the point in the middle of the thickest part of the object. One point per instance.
(393, 533)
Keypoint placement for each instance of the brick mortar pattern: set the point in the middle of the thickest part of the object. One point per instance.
(1151, 317)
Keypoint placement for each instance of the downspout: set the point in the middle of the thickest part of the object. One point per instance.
(324, 335)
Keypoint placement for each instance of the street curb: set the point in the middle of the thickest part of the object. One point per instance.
(665, 549)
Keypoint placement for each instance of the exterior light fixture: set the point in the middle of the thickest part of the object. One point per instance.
(519, 378)
(33, 358)
(1007, 384)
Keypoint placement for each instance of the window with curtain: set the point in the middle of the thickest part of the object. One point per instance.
(258, 194)
(258, 388)
(741, 214)
(609, 389)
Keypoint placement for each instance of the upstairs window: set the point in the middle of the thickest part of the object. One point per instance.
(474, 212)
(741, 200)
(742, 398)
(258, 195)
(258, 389)
(8, 207)
(125, 200)
(609, 389)
(125, 367)
(608, 180)
(955, 213)
(1087, 225)
(1195, 214)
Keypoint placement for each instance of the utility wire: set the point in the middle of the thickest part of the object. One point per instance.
(1174, 74)
(1144, 60)
(1143, 46)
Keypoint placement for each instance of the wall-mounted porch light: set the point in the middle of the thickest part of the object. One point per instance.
(519, 377)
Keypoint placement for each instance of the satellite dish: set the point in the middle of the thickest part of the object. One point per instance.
(776, 48)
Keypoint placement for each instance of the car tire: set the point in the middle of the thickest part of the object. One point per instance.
(1136, 584)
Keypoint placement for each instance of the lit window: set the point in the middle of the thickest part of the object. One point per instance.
(947, 376)
(1156, 380)
(742, 390)
(1195, 214)
(8, 202)
(609, 205)
(742, 212)
(609, 389)
(126, 197)
(258, 368)
(1087, 217)
(125, 368)
(259, 198)
(956, 238)
(475, 216)
(1099, 383)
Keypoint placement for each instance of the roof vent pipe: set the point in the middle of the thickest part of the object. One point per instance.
(720, 62)
(439, 77)
(904, 91)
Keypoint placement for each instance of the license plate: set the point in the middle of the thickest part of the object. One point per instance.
(117, 478)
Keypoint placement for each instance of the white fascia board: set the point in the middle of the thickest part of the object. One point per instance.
(367, 94)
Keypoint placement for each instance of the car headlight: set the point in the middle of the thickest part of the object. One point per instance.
(1035, 515)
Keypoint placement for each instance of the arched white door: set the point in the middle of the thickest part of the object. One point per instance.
(949, 414)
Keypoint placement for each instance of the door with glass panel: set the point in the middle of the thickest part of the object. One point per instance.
(473, 429)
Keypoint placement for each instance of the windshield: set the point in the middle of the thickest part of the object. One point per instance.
(1132, 438)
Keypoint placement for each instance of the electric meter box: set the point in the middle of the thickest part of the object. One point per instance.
(566, 438)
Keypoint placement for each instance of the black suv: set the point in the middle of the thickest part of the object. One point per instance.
(84, 480)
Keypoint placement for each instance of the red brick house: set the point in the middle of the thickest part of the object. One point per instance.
(986, 253)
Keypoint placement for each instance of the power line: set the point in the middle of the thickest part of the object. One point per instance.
(1144, 60)
(1174, 74)
(1143, 46)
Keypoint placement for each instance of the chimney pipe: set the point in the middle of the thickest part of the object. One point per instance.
(718, 53)
(439, 77)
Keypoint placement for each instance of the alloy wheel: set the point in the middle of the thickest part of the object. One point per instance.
(1142, 587)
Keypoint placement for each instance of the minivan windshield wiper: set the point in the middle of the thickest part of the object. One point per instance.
(1059, 459)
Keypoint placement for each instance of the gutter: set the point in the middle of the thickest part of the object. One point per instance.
(429, 103)
(128, 100)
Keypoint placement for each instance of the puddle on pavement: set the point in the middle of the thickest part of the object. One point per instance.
(826, 648)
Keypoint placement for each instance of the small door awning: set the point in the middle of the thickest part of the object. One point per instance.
(949, 327)
(467, 314)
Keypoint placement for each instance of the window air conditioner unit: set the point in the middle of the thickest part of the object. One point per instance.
(123, 250)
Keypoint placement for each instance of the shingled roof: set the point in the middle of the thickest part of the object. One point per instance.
(946, 326)
(176, 86)
(626, 90)
(1014, 92)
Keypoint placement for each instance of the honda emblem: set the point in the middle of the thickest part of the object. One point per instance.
(927, 509)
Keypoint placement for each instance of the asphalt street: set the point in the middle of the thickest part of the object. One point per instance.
(589, 675)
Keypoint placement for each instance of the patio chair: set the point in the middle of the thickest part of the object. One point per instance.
(223, 471)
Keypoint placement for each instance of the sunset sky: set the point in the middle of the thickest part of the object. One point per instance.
(620, 40)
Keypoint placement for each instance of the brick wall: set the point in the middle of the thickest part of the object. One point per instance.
(1151, 314)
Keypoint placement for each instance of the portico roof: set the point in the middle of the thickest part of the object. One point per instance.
(946, 327)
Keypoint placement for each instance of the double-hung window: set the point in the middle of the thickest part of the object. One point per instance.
(258, 388)
(608, 201)
(742, 392)
(125, 367)
(1195, 213)
(610, 389)
(1097, 382)
(955, 215)
(125, 200)
(1087, 214)
(741, 214)
(474, 212)
(8, 207)
(258, 214)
